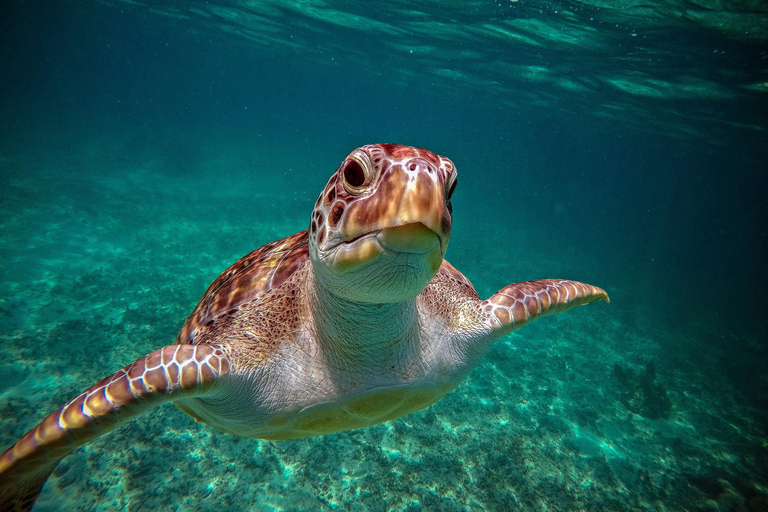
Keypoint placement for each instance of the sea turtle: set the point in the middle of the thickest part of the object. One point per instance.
(352, 322)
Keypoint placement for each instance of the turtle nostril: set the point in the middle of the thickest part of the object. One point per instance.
(419, 164)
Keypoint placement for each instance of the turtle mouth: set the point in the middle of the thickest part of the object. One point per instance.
(412, 238)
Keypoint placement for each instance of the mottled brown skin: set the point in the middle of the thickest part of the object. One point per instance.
(355, 321)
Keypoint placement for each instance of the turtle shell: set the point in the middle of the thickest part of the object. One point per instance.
(248, 278)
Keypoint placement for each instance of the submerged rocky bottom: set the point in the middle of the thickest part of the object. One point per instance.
(597, 409)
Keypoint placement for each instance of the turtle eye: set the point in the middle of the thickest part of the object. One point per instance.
(354, 176)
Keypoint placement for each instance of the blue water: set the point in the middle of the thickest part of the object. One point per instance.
(144, 148)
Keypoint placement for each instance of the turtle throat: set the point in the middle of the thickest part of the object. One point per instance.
(362, 334)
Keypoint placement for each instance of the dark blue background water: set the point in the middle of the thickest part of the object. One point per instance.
(659, 199)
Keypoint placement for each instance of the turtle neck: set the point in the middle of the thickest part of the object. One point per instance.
(364, 335)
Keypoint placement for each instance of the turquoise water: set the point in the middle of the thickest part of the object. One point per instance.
(144, 148)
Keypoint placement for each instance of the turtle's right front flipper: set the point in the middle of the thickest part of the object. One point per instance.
(517, 304)
(173, 372)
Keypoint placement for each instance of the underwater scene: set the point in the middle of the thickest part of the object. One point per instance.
(145, 146)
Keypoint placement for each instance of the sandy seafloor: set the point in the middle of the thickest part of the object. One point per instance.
(103, 265)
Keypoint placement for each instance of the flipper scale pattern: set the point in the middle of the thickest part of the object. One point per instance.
(170, 373)
(517, 304)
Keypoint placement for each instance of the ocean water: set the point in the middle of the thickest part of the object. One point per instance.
(145, 146)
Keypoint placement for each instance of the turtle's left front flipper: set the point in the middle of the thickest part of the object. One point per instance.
(173, 372)
(517, 304)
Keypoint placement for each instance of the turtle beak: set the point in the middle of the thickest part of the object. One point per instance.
(414, 238)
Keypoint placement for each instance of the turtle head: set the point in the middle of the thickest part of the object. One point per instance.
(381, 226)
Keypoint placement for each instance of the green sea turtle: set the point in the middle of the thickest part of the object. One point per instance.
(352, 322)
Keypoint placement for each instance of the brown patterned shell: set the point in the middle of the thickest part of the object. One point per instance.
(249, 277)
